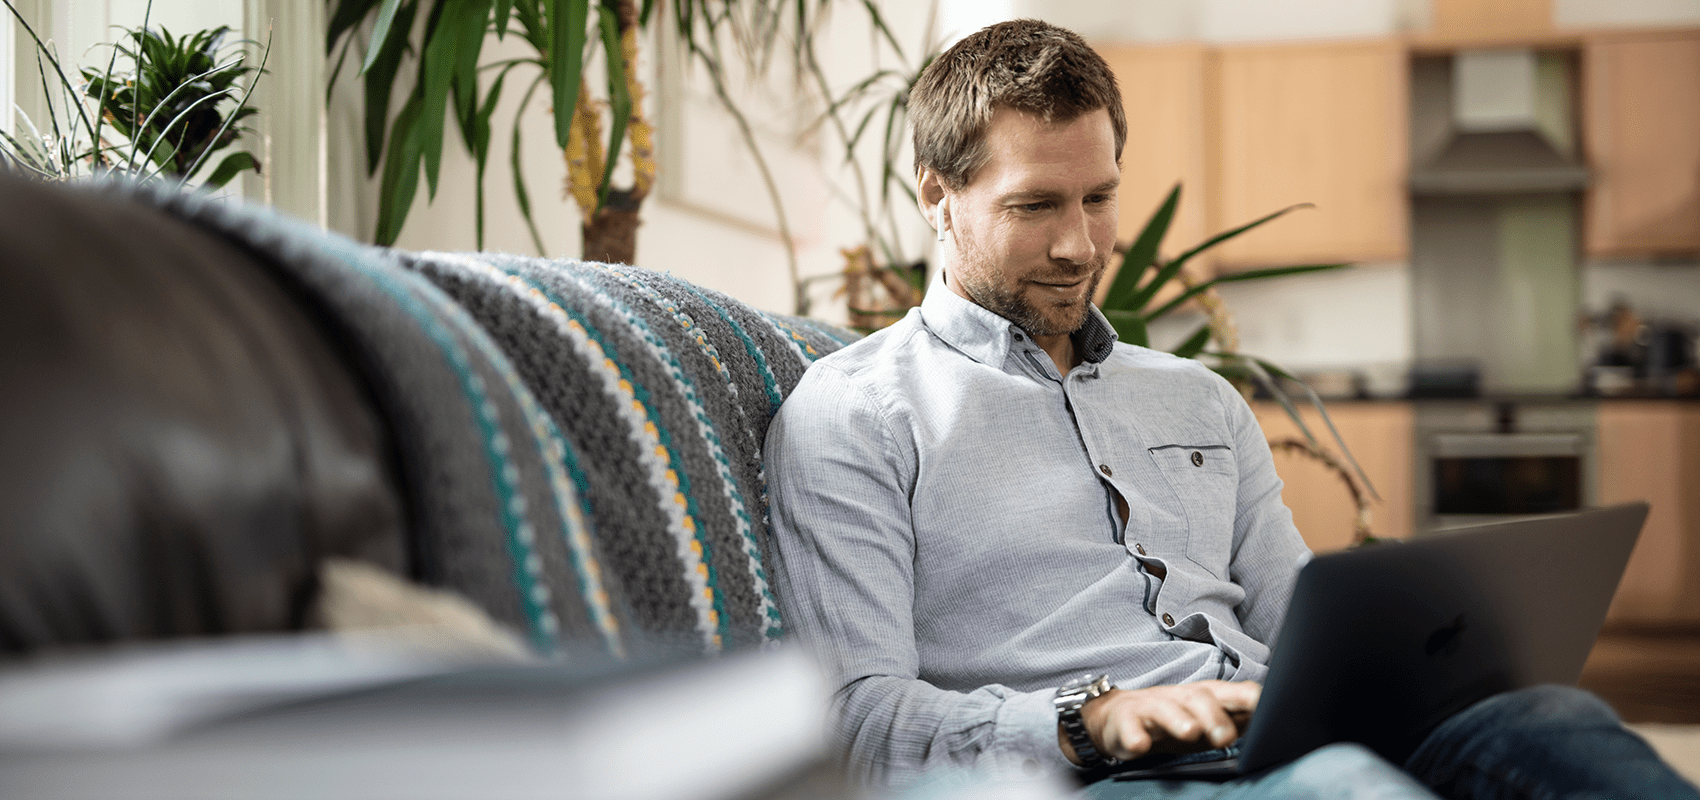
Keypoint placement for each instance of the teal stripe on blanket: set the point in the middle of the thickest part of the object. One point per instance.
(534, 593)
(664, 433)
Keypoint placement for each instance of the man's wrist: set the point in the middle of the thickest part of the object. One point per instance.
(1074, 737)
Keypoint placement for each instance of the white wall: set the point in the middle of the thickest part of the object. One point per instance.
(1359, 317)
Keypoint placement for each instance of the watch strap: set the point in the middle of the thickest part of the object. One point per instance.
(1071, 698)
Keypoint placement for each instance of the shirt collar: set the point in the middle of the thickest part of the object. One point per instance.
(987, 337)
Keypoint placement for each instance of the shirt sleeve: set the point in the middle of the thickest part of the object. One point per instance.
(840, 476)
(1267, 547)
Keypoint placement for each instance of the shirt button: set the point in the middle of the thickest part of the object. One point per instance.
(1139, 548)
(1018, 337)
(1105, 468)
(1168, 620)
(1197, 459)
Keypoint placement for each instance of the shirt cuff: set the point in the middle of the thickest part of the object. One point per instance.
(1027, 735)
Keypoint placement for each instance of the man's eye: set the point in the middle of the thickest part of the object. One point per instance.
(1033, 208)
(1098, 199)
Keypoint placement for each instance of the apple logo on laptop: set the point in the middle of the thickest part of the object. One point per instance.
(1445, 639)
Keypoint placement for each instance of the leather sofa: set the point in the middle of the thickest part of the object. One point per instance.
(202, 401)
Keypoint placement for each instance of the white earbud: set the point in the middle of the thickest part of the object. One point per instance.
(941, 219)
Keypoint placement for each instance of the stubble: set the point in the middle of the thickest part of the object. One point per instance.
(992, 289)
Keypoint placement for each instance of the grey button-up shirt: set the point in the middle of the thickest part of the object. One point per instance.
(945, 523)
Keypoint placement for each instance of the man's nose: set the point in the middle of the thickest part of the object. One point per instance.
(1072, 239)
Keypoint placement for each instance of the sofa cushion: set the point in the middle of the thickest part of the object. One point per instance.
(181, 440)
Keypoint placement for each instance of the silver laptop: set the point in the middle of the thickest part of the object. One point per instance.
(1381, 644)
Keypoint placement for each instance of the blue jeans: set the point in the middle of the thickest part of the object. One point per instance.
(1544, 743)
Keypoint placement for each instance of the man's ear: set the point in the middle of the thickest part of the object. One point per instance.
(929, 192)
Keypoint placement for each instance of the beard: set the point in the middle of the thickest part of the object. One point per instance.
(990, 288)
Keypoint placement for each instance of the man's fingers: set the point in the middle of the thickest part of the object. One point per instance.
(1128, 724)
(1219, 728)
(1238, 699)
(1125, 738)
(1180, 719)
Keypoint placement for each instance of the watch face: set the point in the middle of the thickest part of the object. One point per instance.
(1076, 683)
(1079, 685)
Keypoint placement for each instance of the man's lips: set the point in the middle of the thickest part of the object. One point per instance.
(1060, 284)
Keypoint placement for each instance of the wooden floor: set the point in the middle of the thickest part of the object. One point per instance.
(1648, 676)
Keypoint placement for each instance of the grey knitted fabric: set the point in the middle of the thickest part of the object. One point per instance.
(493, 511)
(662, 392)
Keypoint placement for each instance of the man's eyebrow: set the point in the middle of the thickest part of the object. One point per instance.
(1107, 187)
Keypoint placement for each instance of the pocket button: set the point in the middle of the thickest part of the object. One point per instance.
(1197, 459)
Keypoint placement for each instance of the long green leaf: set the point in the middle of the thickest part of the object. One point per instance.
(346, 15)
(504, 9)
(1124, 292)
(385, 63)
(874, 15)
(1129, 325)
(481, 146)
(529, 13)
(401, 171)
(1316, 402)
(41, 49)
(460, 26)
(893, 132)
(336, 70)
(1249, 275)
(1173, 268)
(230, 167)
(465, 81)
(1195, 343)
(381, 30)
(619, 95)
(567, 21)
(520, 194)
(32, 159)
(1275, 272)
(1261, 370)
(1161, 277)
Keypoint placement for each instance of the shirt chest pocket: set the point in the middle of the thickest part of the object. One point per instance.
(1205, 479)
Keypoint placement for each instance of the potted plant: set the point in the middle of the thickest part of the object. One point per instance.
(162, 117)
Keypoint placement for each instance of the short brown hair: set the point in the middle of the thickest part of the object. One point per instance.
(1027, 65)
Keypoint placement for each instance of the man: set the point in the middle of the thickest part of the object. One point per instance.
(992, 496)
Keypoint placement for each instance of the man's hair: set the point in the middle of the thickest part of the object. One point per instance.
(1026, 65)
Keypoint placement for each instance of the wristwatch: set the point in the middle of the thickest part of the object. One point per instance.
(1071, 697)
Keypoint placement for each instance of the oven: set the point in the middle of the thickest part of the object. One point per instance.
(1481, 461)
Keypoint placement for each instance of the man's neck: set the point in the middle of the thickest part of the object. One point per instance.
(1060, 348)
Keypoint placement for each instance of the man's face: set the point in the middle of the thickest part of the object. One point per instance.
(1031, 233)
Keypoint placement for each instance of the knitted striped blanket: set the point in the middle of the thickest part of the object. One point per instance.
(581, 443)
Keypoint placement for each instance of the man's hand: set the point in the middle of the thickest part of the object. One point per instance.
(1191, 717)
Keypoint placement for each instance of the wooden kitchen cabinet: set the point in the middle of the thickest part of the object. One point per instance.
(1641, 116)
(1163, 94)
(1650, 450)
(1316, 123)
(1379, 434)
